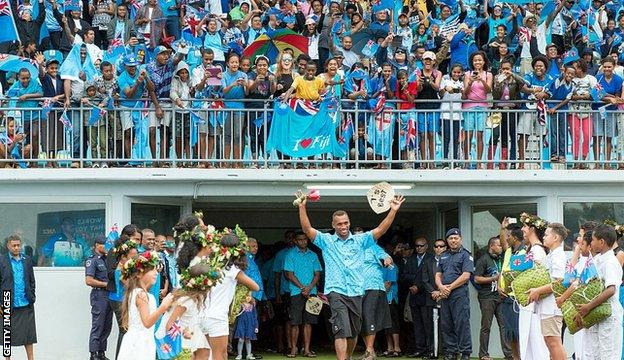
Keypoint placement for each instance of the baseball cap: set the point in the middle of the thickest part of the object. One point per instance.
(51, 61)
(453, 231)
(49, 55)
(130, 60)
(160, 49)
(429, 55)
(100, 240)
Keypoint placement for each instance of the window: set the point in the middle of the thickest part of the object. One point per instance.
(54, 234)
(576, 213)
(160, 218)
(486, 220)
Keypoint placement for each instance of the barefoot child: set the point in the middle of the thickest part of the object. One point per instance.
(604, 340)
(139, 311)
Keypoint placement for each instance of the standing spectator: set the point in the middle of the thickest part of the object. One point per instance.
(325, 23)
(17, 276)
(108, 88)
(604, 127)
(132, 86)
(406, 92)
(486, 275)
(235, 86)
(477, 86)
(25, 89)
(560, 90)
(171, 11)
(391, 277)
(303, 270)
(428, 121)
(121, 27)
(149, 20)
(581, 117)
(75, 91)
(451, 89)
(101, 313)
(160, 71)
(506, 91)
(452, 277)
(28, 28)
(52, 86)
(181, 92)
(261, 86)
(422, 314)
(170, 259)
(253, 271)
(282, 292)
(102, 12)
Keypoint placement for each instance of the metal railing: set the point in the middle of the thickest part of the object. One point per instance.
(210, 136)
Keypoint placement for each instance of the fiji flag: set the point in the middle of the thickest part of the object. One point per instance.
(72, 66)
(46, 107)
(7, 23)
(140, 148)
(96, 115)
(589, 272)
(64, 119)
(192, 19)
(597, 93)
(303, 107)
(379, 5)
(72, 5)
(370, 49)
(112, 236)
(408, 129)
(346, 133)
(170, 345)
(521, 262)
(570, 275)
(381, 130)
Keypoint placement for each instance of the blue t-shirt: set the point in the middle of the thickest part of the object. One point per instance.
(391, 274)
(66, 253)
(343, 261)
(254, 274)
(372, 270)
(269, 277)
(236, 92)
(533, 81)
(303, 264)
(19, 286)
(119, 293)
(126, 81)
(559, 90)
(165, 5)
(613, 87)
(278, 267)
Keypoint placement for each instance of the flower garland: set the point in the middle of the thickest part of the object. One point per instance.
(144, 261)
(125, 247)
(210, 276)
(619, 229)
(203, 237)
(533, 220)
(222, 254)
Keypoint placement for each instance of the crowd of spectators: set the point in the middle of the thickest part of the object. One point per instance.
(470, 80)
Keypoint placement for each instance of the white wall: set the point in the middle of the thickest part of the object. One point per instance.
(63, 316)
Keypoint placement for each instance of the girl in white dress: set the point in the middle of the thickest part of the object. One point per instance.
(138, 310)
(532, 345)
(196, 283)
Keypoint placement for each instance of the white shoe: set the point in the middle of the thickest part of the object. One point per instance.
(251, 357)
(239, 357)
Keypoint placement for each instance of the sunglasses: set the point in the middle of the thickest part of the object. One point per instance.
(440, 246)
(287, 60)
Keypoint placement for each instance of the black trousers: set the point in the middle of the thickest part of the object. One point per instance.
(422, 317)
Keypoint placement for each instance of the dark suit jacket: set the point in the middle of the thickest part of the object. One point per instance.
(420, 298)
(429, 269)
(48, 86)
(6, 276)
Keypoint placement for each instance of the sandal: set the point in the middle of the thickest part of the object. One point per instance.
(291, 356)
(310, 354)
(386, 353)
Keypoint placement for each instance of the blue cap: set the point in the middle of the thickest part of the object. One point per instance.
(51, 55)
(130, 60)
(453, 231)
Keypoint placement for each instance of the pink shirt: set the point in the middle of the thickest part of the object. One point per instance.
(476, 92)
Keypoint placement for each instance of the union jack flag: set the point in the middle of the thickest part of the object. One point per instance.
(304, 107)
(64, 119)
(381, 102)
(5, 8)
(382, 121)
(46, 107)
(175, 330)
(411, 133)
(524, 34)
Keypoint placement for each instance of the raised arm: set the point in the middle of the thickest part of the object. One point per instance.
(306, 227)
(381, 229)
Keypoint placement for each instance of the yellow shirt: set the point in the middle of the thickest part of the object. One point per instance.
(308, 89)
(506, 267)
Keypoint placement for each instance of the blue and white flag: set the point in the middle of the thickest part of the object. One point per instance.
(370, 49)
(64, 119)
(112, 236)
(521, 262)
(346, 133)
(140, 118)
(589, 272)
(7, 23)
(303, 130)
(96, 115)
(379, 5)
(14, 63)
(380, 131)
(569, 276)
(169, 344)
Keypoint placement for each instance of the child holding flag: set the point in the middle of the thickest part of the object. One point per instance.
(604, 340)
(95, 121)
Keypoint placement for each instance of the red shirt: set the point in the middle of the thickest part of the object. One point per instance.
(412, 89)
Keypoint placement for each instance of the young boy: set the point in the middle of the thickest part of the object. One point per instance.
(552, 318)
(604, 340)
(96, 128)
(307, 87)
(560, 90)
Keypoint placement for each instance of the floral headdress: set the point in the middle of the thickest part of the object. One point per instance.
(125, 247)
(210, 276)
(619, 229)
(223, 254)
(144, 261)
(533, 220)
(199, 235)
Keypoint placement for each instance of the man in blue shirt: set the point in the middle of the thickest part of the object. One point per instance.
(23, 91)
(16, 276)
(282, 288)
(454, 269)
(65, 248)
(343, 255)
(303, 269)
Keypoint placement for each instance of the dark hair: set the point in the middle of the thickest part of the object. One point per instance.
(13, 237)
(582, 64)
(606, 233)
(299, 233)
(587, 237)
(608, 59)
(22, 70)
(515, 232)
(104, 64)
(486, 61)
(231, 240)
(507, 60)
(208, 51)
(492, 240)
(589, 225)
(190, 248)
(440, 240)
(560, 230)
(303, 57)
(128, 231)
(338, 213)
(540, 58)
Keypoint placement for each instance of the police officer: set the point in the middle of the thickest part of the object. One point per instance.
(454, 270)
(101, 312)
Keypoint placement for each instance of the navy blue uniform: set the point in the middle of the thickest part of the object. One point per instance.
(101, 312)
(455, 310)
